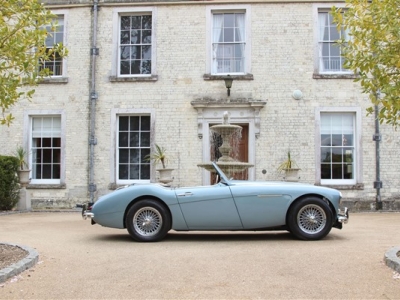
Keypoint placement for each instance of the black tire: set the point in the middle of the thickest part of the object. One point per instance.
(310, 219)
(148, 221)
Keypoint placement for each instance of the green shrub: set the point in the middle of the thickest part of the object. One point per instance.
(9, 187)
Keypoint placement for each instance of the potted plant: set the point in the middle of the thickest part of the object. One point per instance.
(160, 156)
(289, 166)
(23, 173)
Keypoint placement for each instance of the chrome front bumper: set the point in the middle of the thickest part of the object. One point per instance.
(86, 210)
(343, 215)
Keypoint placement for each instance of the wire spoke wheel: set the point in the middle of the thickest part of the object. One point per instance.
(311, 219)
(147, 221)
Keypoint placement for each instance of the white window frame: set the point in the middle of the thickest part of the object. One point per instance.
(28, 117)
(317, 8)
(127, 11)
(115, 113)
(63, 13)
(210, 10)
(357, 146)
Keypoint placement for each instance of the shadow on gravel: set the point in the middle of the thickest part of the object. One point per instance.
(174, 236)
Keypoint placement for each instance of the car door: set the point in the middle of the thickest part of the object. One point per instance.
(208, 207)
(261, 206)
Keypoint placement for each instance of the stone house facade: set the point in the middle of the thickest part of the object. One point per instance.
(141, 73)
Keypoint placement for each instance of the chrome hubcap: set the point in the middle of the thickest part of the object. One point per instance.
(147, 221)
(311, 219)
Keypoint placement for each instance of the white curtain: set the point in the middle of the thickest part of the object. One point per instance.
(218, 20)
(337, 123)
(322, 23)
(240, 19)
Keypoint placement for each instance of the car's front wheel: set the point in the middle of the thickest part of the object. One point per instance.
(148, 221)
(310, 219)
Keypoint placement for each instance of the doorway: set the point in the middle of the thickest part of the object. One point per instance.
(240, 154)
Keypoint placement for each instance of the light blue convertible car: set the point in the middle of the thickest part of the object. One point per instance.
(149, 211)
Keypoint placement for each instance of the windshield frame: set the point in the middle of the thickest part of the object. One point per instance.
(224, 178)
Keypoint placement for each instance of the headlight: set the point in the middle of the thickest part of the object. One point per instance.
(340, 197)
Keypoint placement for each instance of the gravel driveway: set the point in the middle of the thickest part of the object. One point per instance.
(81, 261)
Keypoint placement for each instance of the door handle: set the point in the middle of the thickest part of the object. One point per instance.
(185, 194)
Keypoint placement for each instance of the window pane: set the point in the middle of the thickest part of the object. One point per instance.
(334, 34)
(135, 67)
(131, 157)
(145, 139)
(228, 36)
(134, 123)
(326, 155)
(125, 23)
(136, 22)
(145, 123)
(56, 156)
(56, 171)
(146, 22)
(337, 156)
(125, 52)
(123, 139)
(146, 52)
(46, 171)
(47, 157)
(325, 171)
(229, 20)
(123, 171)
(146, 67)
(53, 63)
(134, 139)
(134, 56)
(337, 171)
(143, 154)
(123, 155)
(134, 52)
(134, 172)
(125, 67)
(329, 52)
(135, 36)
(134, 156)
(123, 123)
(124, 37)
(337, 148)
(46, 147)
(145, 171)
(146, 37)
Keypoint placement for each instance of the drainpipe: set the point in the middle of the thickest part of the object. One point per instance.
(377, 138)
(94, 51)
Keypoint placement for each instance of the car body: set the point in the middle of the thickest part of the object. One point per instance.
(149, 211)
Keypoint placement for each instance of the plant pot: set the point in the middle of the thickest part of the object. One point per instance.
(24, 177)
(165, 175)
(292, 174)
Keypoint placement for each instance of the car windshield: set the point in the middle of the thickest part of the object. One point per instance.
(223, 178)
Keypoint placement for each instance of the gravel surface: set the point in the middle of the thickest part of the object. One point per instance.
(81, 261)
(10, 255)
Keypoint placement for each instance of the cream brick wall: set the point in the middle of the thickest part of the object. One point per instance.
(282, 45)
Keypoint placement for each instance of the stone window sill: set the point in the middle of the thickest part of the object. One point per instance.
(234, 77)
(133, 79)
(358, 186)
(334, 76)
(54, 80)
(47, 186)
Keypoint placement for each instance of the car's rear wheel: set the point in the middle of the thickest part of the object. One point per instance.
(148, 221)
(310, 219)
